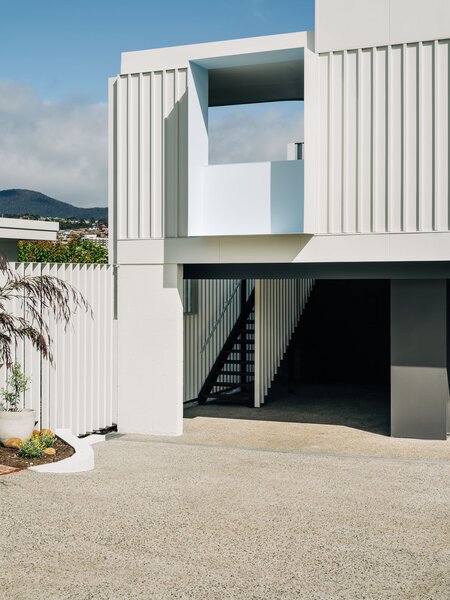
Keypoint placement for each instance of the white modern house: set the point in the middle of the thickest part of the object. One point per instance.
(220, 265)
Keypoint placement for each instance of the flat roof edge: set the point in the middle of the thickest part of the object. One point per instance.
(28, 224)
(173, 57)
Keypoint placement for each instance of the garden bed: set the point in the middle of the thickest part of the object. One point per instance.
(9, 456)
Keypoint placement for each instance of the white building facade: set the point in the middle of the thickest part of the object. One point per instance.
(369, 201)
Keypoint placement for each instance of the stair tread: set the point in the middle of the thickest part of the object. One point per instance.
(239, 350)
(226, 384)
(232, 397)
(231, 373)
(235, 361)
(232, 383)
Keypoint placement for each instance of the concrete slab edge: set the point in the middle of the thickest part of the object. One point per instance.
(81, 461)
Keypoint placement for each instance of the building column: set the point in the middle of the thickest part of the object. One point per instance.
(150, 349)
(419, 384)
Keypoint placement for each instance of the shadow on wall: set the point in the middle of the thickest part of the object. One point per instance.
(175, 160)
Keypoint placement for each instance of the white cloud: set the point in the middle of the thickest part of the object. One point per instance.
(60, 148)
(254, 132)
(57, 148)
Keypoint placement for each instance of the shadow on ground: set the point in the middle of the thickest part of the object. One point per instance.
(364, 407)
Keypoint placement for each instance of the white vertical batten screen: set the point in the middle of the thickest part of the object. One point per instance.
(78, 392)
(148, 148)
(279, 304)
(383, 139)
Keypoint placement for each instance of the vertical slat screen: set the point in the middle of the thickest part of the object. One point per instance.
(279, 304)
(78, 391)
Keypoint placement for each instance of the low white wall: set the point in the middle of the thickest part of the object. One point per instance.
(252, 198)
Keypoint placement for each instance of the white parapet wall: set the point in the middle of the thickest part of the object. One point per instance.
(253, 198)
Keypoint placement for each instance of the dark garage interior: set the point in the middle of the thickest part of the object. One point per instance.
(343, 335)
(337, 367)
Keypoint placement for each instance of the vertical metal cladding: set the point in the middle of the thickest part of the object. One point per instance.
(383, 128)
(148, 152)
(206, 331)
(78, 391)
(279, 304)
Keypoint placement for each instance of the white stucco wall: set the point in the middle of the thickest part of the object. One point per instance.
(150, 349)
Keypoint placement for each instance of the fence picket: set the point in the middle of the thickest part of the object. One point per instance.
(79, 391)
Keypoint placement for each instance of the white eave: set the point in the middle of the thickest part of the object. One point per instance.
(25, 229)
(179, 56)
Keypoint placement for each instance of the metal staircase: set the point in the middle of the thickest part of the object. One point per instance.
(232, 375)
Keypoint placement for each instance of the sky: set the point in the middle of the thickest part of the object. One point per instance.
(55, 60)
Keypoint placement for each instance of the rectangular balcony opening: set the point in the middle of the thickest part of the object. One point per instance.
(246, 173)
(254, 132)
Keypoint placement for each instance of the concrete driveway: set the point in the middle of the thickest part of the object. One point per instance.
(176, 520)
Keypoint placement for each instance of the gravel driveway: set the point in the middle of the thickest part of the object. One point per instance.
(160, 520)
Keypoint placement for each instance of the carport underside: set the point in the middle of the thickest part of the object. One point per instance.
(374, 323)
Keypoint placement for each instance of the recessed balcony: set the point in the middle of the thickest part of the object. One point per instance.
(243, 198)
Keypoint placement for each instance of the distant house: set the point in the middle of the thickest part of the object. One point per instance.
(217, 262)
(13, 230)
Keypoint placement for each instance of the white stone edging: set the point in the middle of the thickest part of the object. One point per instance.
(82, 460)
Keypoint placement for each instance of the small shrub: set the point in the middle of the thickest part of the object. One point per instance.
(16, 384)
(47, 440)
(31, 448)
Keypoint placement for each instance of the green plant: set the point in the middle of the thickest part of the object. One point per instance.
(76, 250)
(47, 441)
(31, 448)
(16, 384)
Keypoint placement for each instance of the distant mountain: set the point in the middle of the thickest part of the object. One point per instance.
(26, 202)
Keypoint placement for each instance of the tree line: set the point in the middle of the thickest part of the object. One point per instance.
(76, 250)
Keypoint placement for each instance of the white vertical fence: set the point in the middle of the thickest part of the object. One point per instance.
(78, 391)
(279, 304)
(206, 331)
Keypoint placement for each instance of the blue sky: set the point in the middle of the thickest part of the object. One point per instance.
(56, 57)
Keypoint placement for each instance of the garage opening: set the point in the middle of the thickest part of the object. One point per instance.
(337, 366)
(334, 366)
